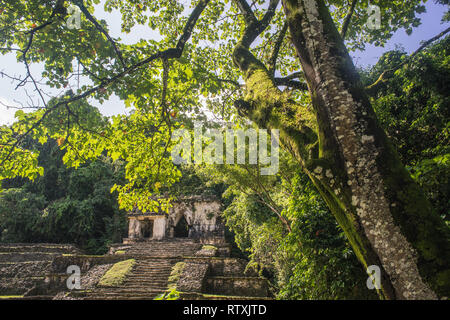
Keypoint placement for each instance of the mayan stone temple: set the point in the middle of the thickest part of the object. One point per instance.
(183, 252)
(195, 217)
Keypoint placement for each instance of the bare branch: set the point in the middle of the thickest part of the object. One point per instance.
(276, 49)
(102, 30)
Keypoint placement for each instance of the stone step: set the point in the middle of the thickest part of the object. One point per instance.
(121, 297)
(143, 289)
(24, 269)
(174, 249)
(160, 269)
(27, 256)
(146, 280)
(144, 276)
(18, 286)
(38, 247)
(180, 247)
(150, 273)
(162, 253)
(154, 263)
(130, 279)
(123, 294)
(200, 296)
(152, 268)
(134, 291)
(165, 248)
(145, 285)
(147, 277)
(241, 286)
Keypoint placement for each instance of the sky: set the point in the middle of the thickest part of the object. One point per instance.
(431, 26)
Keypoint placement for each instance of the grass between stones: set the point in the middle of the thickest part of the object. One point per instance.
(117, 274)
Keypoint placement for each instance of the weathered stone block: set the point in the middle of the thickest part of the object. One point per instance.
(237, 286)
(193, 277)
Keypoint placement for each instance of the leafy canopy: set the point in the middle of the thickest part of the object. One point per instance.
(164, 82)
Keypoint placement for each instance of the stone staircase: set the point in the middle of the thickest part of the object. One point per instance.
(149, 277)
(42, 267)
(226, 278)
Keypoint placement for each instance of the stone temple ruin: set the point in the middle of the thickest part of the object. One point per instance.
(194, 217)
(184, 250)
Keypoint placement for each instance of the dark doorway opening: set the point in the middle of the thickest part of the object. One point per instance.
(147, 228)
(182, 228)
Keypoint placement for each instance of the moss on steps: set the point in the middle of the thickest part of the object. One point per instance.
(175, 275)
(117, 274)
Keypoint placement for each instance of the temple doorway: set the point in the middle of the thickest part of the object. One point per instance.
(147, 228)
(181, 229)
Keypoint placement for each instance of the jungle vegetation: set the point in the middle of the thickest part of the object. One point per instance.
(364, 164)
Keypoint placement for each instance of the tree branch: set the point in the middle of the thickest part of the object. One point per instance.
(265, 104)
(249, 16)
(102, 30)
(255, 27)
(276, 49)
(348, 18)
(165, 54)
(291, 83)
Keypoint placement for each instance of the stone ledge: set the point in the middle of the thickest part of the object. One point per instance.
(237, 286)
(204, 296)
(193, 277)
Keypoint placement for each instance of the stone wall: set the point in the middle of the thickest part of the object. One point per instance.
(202, 215)
(220, 276)
(24, 267)
(237, 286)
(193, 278)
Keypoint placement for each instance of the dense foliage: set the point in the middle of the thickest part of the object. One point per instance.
(244, 62)
(314, 259)
(413, 106)
(64, 205)
(162, 92)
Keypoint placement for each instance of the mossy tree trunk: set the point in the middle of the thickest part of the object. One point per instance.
(344, 151)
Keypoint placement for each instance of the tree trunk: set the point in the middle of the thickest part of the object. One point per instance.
(385, 216)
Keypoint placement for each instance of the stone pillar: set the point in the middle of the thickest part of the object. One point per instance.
(134, 228)
(159, 228)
